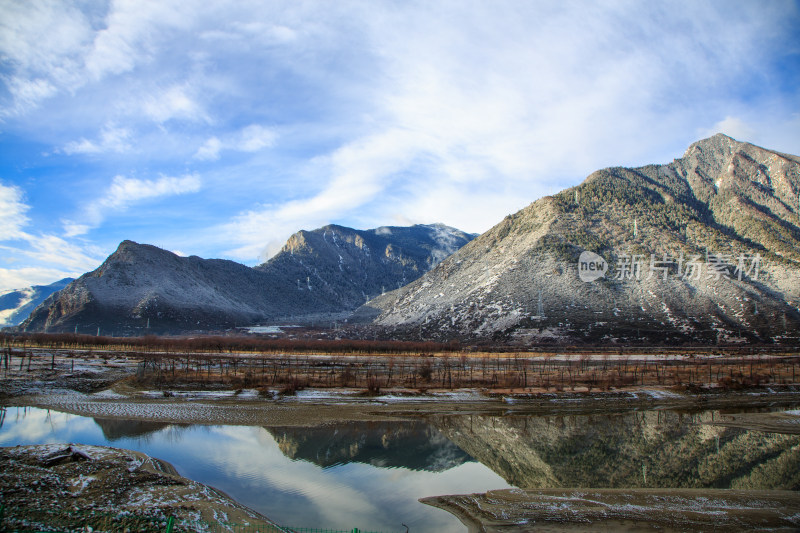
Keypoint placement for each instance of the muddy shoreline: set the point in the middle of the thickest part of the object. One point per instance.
(248, 408)
(642, 510)
(70, 487)
(107, 387)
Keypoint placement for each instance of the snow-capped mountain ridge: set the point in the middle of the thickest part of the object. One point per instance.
(16, 305)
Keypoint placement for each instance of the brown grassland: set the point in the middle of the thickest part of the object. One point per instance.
(289, 365)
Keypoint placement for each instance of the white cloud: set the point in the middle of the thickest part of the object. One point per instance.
(124, 192)
(732, 127)
(21, 278)
(55, 47)
(53, 250)
(265, 32)
(210, 150)
(474, 113)
(413, 111)
(111, 140)
(27, 93)
(130, 35)
(39, 40)
(12, 212)
(252, 138)
(74, 229)
(359, 172)
(47, 259)
(53, 257)
(175, 102)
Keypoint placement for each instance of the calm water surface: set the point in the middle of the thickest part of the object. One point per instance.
(370, 475)
(357, 475)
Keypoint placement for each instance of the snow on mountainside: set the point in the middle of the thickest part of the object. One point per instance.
(140, 285)
(321, 273)
(345, 266)
(16, 305)
(705, 248)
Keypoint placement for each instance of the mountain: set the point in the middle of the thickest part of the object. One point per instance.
(703, 249)
(341, 268)
(140, 284)
(321, 273)
(16, 305)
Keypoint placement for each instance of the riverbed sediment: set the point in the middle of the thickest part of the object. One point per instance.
(640, 510)
(75, 487)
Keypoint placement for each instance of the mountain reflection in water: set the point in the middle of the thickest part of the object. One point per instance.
(412, 445)
(370, 475)
(114, 429)
(343, 475)
(663, 449)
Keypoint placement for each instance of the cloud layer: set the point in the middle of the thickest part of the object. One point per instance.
(35, 258)
(126, 192)
(231, 125)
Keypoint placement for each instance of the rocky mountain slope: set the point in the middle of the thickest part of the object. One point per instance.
(703, 249)
(16, 305)
(341, 268)
(318, 274)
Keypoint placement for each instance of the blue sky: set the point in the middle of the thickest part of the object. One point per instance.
(220, 128)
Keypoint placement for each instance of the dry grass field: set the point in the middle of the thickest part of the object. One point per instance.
(292, 365)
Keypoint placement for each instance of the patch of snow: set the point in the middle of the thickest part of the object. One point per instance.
(321, 394)
(81, 482)
(108, 394)
(264, 329)
(662, 394)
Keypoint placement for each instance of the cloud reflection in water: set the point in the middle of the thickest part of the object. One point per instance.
(247, 463)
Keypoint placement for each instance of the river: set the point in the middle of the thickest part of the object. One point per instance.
(370, 474)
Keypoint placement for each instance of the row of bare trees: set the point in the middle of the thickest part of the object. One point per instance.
(424, 371)
(223, 344)
(291, 364)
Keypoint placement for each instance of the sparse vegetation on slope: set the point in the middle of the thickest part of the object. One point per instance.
(703, 249)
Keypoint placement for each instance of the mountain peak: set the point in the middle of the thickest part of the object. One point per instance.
(128, 245)
(132, 247)
(132, 253)
(718, 143)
